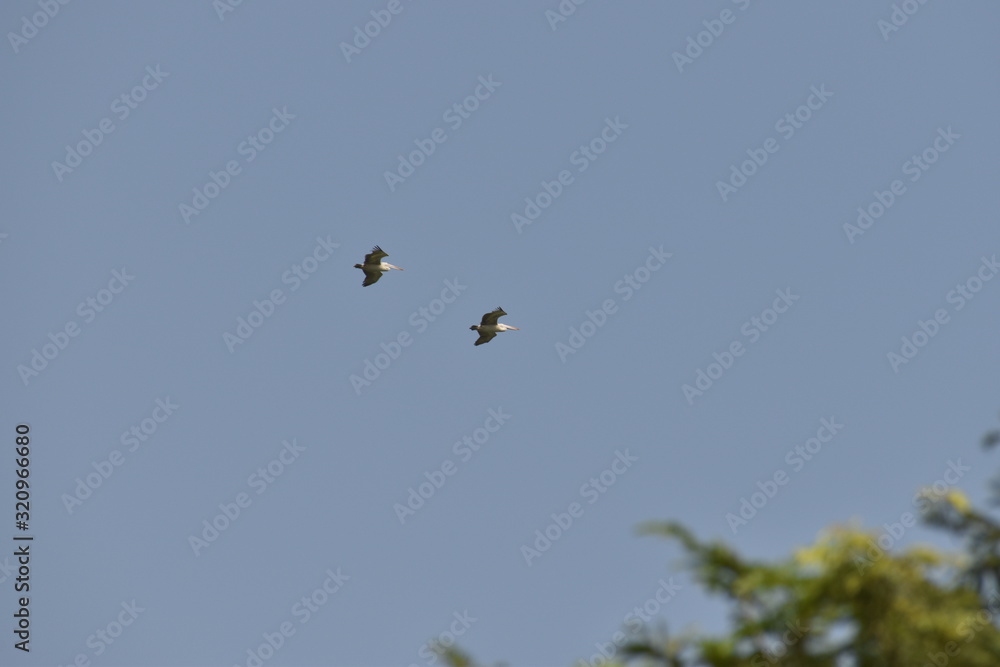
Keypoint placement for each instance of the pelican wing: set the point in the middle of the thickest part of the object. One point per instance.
(371, 277)
(484, 338)
(491, 318)
(375, 256)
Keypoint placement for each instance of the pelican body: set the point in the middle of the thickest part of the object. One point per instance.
(489, 327)
(374, 267)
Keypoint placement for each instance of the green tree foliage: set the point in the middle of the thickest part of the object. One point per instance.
(840, 601)
(953, 513)
(843, 601)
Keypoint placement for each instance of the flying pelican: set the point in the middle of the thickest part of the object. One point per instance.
(374, 267)
(489, 327)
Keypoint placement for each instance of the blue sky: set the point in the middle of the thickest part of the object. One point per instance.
(226, 163)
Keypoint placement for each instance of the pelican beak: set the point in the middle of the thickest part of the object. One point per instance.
(514, 328)
(396, 267)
